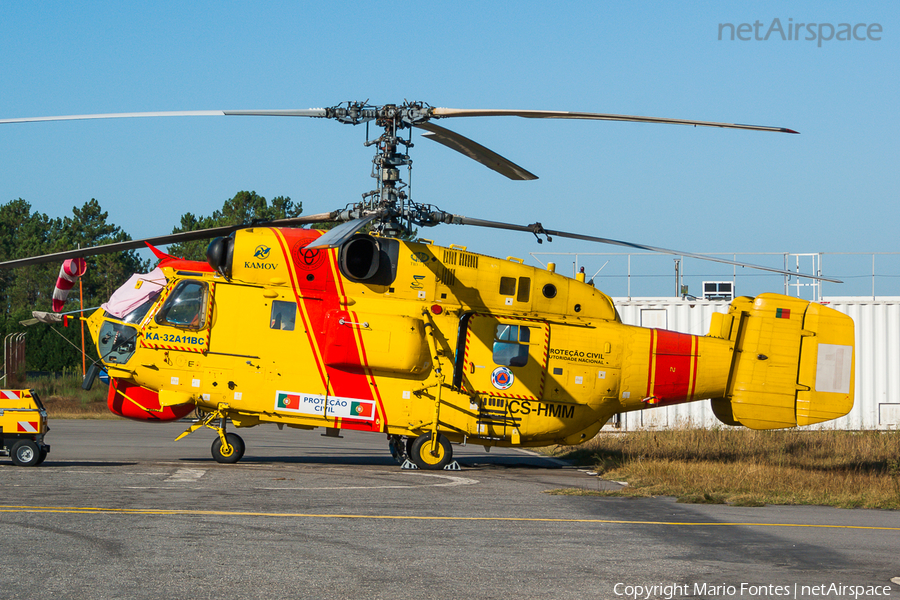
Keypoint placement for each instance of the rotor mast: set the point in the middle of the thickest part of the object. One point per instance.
(391, 198)
(390, 194)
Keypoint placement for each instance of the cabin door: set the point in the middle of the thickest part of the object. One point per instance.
(504, 363)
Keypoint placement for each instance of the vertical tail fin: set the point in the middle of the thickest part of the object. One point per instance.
(793, 363)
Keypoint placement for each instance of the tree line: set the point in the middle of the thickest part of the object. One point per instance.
(25, 232)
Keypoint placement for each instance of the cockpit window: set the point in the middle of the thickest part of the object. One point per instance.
(117, 342)
(511, 345)
(185, 308)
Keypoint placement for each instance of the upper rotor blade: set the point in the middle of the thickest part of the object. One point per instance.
(560, 114)
(537, 228)
(475, 151)
(162, 240)
(309, 112)
(342, 232)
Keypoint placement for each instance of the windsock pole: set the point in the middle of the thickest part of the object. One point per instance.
(71, 270)
(81, 320)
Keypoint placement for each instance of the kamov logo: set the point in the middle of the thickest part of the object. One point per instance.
(262, 253)
(808, 32)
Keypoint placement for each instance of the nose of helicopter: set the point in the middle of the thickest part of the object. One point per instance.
(132, 401)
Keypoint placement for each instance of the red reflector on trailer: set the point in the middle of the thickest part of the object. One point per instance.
(437, 309)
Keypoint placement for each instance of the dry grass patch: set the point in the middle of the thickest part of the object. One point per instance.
(751, 468)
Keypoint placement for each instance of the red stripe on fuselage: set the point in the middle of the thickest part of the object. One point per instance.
(317, 303)
(347, 384)
(672, 372)
(307, 327)
(696, 360)
(651, 363)
(367, 380)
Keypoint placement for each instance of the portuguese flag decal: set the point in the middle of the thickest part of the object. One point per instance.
(782, 313)
(362, 410)
(288, 400)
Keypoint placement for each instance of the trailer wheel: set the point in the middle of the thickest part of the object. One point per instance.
(237, 449)
(25, 453)
(424, 459)
(42, 455)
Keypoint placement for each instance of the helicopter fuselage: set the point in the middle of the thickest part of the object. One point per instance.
(402, 338)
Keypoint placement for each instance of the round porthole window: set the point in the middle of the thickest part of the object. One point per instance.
(549, 291)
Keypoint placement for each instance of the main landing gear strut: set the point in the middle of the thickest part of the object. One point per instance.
(431, 450)
(227, 447)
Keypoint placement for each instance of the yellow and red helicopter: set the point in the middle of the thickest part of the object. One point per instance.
(357, 328)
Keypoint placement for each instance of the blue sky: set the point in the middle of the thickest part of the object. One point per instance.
(834, 188)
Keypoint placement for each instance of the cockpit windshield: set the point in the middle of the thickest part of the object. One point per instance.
(124, 312)
(137, 315)
(140, 288)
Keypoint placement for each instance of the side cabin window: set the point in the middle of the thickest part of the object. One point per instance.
(511, 345)
(284, 315)
(524, 289)
(185, 308)
(508, 288)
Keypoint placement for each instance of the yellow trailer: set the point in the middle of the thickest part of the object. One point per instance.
(23, 423)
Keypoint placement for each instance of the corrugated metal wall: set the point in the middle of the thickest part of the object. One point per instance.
(877, 395)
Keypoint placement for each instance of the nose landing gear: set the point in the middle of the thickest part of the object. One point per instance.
(227, 447)
(229, 451)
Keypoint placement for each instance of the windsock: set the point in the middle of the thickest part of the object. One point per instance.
(71, 270)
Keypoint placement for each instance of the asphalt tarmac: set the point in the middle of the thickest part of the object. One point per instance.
(120, 510)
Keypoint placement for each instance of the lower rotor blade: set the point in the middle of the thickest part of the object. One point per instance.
(560, 114)
(162, 240)
(475, 151)
(537, 229)
(342, 233)
(304, 220)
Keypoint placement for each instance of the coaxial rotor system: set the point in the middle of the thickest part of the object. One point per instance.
(389, 209)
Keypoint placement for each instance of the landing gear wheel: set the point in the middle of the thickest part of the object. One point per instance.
(236, 447)
(422, 457)
(396, 446)
(25, 453)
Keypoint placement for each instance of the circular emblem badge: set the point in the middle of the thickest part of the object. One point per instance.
(308, 260)
(502, 378)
